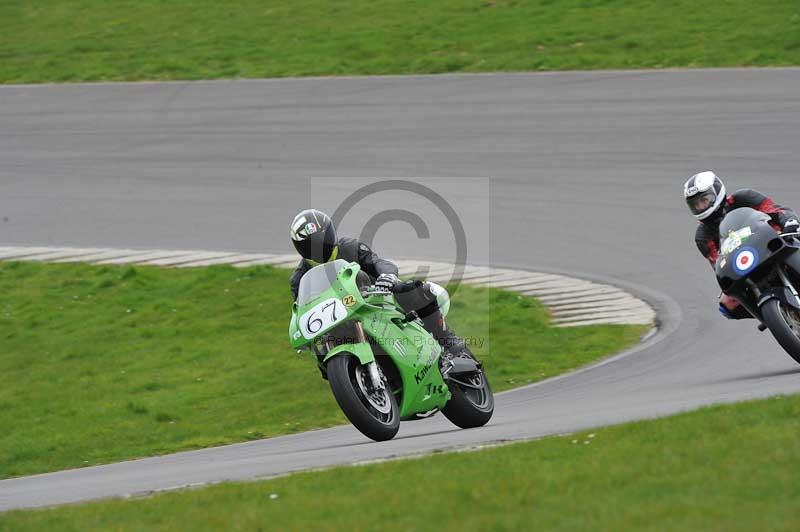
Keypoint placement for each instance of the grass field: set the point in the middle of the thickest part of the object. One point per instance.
(103, 363)
(72, 40)
(731, 468)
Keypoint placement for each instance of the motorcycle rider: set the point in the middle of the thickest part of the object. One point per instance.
(314, 237)
(707, 200)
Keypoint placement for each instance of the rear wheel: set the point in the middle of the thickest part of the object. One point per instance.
(372, 411)
(784, 324)
(472, 401)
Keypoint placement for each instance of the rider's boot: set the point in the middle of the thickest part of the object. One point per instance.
(452, 344)
(422, 301)
(731, 308)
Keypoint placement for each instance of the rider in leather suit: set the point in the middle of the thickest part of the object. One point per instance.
(314, 237)
(705, 194)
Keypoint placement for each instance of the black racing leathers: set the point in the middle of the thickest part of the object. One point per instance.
(351, 250)
(707, 234)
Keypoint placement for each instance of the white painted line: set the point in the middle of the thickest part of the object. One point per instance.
(99, 255)
(279, 261)
(213, 261)
(606, 321)
(589, 295)
(561, 318)
(18, 253)
(287, 263)
(532, 275)
(291, 257)
(608, 312)
(192, 257)
(64, 253)
(265, 261)
(263, 258)
(610, 315)
(572, 302)
(139, 257)
(520, 280)
(554, 286)
(487, 279)
(569, 301)
(575, 292)
(597, 307)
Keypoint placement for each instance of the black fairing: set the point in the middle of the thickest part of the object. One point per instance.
(759, 243)
(763, 247)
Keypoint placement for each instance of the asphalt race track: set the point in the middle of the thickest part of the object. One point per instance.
(584, 175)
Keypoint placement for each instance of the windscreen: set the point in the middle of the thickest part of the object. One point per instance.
(739, 218)
(318, 279)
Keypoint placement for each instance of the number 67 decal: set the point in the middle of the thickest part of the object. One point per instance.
(321, 317)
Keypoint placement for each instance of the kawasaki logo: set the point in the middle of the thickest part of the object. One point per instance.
(421, 373)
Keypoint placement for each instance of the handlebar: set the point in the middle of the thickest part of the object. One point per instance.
(372, 290)
(400, 287)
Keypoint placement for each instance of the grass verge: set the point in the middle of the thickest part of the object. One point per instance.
(104, 363)
(723, 468)
(74, 40)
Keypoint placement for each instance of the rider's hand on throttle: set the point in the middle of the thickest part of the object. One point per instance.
(792, 226)
(386, 282)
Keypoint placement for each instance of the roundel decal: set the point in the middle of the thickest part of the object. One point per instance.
(746, 259)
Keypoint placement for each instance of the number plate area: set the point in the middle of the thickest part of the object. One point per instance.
(321, 317)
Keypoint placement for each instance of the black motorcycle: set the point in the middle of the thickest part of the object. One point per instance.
(761, 268)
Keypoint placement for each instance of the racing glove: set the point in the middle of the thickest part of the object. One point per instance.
(791, 226)
(386, 282)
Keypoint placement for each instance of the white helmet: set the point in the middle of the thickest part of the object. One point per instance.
(704, 193)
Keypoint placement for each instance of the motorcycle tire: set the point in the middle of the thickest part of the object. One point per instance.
(375, 414)
(785, 331)
(472, 401)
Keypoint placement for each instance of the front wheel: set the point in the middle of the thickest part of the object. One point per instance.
(784, 324)
(472, 401)
(373, 412)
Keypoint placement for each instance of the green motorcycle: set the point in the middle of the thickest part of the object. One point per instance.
(382, 365)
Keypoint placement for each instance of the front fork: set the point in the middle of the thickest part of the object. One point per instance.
(757, 293)
(788, 284)
(754, 310)
(373, 369)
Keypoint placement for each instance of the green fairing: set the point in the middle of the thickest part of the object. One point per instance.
(414, 352)
(362, 351)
